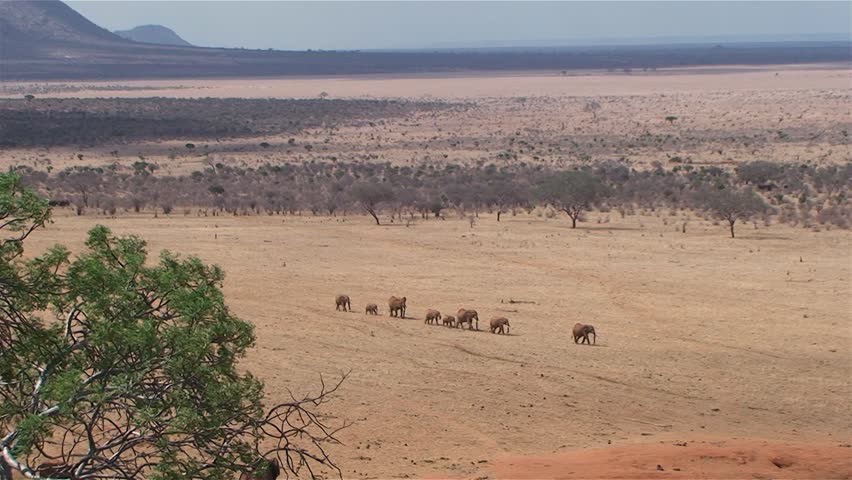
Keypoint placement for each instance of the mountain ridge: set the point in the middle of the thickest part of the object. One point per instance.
(30, 27)
(157, 34)
(48, 40)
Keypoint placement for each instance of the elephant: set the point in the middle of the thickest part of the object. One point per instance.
(372, 309)
(583, 331)
(449, 321)
(497, 324)
(273, 470)
(433, 316)
(342, 302)
(397, 306)
(467, 316)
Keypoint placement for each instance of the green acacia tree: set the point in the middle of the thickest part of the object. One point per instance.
(111, 367)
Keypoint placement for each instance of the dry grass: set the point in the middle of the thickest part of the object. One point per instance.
(704, 335)
(713, 336)
(722, 118)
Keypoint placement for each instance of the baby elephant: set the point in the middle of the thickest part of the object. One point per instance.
(498, 323)
(449, 321)
(583, 331)
(433, 316)
(343, 303)
(372, 309)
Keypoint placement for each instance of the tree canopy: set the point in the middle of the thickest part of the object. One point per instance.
(112, 366)
(730, 204)
(573, 192)
(371, 195)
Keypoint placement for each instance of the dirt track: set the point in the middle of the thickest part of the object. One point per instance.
(699, 334)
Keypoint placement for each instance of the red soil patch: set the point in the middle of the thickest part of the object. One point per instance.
(729, 459)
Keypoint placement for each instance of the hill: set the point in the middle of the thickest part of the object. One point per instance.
(36, 28)
(47, 40)
(157, 34)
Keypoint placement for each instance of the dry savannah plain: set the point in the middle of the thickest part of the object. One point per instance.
(715, 357)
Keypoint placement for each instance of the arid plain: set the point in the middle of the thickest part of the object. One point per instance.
(736, 351)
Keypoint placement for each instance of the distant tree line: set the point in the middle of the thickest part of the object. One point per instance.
(795, 194)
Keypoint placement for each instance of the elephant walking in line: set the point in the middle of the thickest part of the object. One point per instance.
(433, 316)
(396, 306)
(343, 303)
(498, 324)
(582, 331)
(467, 316)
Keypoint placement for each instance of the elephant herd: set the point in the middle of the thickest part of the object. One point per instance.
(397, 308)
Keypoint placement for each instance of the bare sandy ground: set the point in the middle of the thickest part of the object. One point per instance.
(720, 118)
(703, 339)
(699, 336)
(463, 86)
(705, 460)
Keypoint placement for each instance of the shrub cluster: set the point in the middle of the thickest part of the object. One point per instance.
(798, 194)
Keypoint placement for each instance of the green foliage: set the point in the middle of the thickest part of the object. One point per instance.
(137, 367)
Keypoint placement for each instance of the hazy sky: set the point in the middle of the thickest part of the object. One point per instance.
(419, 24)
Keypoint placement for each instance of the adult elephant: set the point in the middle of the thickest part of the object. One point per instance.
(467, 316)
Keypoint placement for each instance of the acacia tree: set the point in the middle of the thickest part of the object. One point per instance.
(371, 196)
(506, 193)
(573, 192)
(135, 376)
(731, 205)
(593, 107)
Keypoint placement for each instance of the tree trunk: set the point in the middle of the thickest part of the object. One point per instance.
(574, 214)
(732, 227)
(498, 215)
(5, 470)
(375, 217)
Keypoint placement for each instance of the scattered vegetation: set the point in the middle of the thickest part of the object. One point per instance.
(799, 194)
(57, 121)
